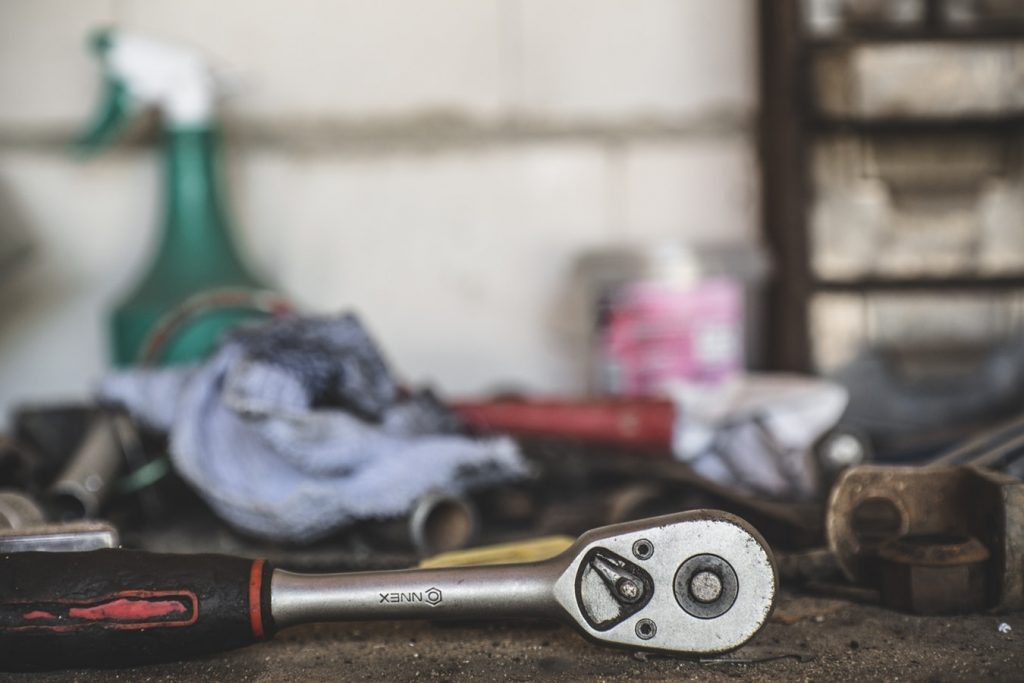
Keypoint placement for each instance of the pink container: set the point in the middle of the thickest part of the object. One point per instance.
(658, 333)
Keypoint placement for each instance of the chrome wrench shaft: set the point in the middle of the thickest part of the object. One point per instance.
(489, 592)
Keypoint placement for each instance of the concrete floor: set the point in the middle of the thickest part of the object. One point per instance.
(807, 639)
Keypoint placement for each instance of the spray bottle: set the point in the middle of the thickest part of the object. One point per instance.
(197, 285)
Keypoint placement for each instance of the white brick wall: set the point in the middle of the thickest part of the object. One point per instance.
(45, 75)
(466, 245)
(458, 253)
(344, 58)
(656, 58)
(91, 228)
(705, 187)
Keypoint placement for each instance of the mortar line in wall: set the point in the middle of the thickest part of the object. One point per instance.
(416, 136)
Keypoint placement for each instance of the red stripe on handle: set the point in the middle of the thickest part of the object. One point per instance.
(256, 599)
(125, 609)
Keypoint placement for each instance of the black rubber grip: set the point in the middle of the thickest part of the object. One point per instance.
(110, 608)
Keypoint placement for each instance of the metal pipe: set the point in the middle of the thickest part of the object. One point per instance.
(83, 486)
(974, 448)
(644, 424)
(439, 522)
(442, 522)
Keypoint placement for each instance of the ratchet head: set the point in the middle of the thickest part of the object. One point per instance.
(699, 582)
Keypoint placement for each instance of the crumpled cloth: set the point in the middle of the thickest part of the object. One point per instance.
(295, 428)
(756, 433)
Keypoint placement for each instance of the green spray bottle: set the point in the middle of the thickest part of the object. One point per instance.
(197, 285)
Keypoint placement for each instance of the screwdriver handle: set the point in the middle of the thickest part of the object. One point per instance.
(113, 608)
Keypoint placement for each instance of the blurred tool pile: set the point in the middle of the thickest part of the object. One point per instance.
(294, 442)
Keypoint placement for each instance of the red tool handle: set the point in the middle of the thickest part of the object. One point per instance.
(113, 608)
(629, 423)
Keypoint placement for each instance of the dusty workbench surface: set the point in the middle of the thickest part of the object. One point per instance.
(809, 639)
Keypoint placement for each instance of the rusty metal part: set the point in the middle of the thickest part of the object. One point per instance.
(873, 505)
(934, 574)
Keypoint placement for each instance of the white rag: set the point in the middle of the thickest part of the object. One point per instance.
(249, 432)
(756, 433)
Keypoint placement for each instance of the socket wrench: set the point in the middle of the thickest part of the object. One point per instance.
(696, 583)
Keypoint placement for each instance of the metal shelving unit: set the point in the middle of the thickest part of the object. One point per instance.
(791, 122)
(792, 127)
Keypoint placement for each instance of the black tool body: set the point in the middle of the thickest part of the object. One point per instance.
(114, 608)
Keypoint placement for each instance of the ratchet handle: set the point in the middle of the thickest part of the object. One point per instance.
(113, 608)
